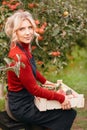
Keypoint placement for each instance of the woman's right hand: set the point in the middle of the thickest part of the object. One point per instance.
(66, 104)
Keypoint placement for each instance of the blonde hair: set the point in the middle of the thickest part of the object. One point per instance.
(13, 23)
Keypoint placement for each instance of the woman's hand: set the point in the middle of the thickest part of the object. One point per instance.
(66, 104)
(48, 83)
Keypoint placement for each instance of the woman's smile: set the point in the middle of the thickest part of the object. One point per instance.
(26, 32)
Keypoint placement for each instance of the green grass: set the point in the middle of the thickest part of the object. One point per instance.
(2, 104)
(75, 74)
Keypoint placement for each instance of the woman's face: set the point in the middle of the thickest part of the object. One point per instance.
(25, 33)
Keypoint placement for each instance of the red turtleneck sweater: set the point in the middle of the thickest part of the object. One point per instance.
(26, 78)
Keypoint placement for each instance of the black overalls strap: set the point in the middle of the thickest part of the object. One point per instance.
(30, 60)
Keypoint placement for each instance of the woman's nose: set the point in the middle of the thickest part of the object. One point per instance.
(27, 31)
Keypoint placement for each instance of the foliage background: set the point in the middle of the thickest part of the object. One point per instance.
(63, 30)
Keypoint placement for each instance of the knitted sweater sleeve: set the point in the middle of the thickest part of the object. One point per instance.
(40, 77)
(29, 82)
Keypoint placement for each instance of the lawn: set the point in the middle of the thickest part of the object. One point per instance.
(75, 76)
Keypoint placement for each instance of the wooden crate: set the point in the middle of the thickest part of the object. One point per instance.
(76, 101)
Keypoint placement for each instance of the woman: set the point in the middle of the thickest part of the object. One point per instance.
(20, 27)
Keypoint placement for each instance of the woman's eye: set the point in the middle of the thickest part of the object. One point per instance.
(30, 27)
(21, 29)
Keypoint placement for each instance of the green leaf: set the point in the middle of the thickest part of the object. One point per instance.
(55, 31)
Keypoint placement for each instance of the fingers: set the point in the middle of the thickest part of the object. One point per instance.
(66, 106)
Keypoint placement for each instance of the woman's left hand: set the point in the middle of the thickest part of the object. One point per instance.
(66, 104)
(49, 84)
